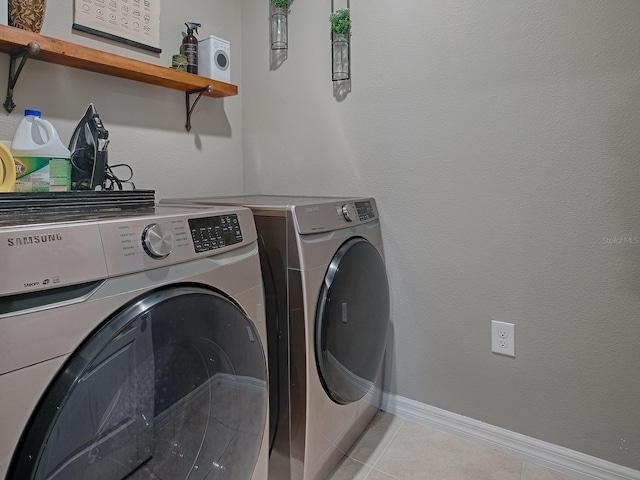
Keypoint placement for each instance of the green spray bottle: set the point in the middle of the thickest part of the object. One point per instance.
(189, 47)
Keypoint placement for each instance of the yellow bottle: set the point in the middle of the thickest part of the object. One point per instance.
(8, 170)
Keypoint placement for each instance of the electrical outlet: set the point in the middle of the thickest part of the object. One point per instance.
(503, 338)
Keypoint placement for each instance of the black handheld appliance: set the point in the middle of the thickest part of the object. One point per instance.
(88, 147)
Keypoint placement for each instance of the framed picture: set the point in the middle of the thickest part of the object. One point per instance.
(134, 22)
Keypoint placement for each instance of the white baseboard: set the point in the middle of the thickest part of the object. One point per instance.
(528, 449)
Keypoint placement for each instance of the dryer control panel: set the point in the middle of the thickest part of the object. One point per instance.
(365, 210)
(323, 217)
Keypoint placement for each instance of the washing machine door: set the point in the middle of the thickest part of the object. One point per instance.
(352, 321)
(172, 387)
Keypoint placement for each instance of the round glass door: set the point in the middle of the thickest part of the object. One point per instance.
(352, 321)
(172, 387)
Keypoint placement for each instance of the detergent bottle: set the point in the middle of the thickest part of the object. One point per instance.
(42, 161)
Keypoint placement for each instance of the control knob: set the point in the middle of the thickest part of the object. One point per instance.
(348, 212)
(157, 240)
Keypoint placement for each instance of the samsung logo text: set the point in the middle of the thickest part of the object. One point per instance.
(33, 239)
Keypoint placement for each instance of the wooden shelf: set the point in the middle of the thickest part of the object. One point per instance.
(52, 50)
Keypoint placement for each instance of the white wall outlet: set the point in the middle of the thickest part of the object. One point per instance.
(503, 338)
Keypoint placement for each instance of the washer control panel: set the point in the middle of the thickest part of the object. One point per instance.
(173, 235)
(210, 233)
(69, 253)
(157, 240)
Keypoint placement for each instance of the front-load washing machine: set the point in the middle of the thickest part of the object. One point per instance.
(327, 319)
(134, 348)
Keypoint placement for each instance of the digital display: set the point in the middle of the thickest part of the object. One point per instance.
(210, 233)
(365, 210)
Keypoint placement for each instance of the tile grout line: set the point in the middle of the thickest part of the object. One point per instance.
(384, 450)
(364, 465)
(403, 423)
(532, 451)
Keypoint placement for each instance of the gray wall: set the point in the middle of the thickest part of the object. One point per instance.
(501, 140)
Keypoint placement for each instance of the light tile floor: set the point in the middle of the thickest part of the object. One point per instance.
(394, 448)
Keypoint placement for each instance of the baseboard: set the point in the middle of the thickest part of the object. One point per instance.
(529, 449)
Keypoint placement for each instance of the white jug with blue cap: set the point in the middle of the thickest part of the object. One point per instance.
(42, 161)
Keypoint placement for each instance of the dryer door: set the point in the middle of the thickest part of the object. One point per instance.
(173, 387)
(352, 321)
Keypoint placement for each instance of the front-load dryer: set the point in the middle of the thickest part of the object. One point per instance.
(134, 348)
(327, 319)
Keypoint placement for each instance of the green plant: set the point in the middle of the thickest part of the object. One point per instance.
(340, 21)
(281, 3)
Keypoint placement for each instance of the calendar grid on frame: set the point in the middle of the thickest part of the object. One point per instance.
(134, 22)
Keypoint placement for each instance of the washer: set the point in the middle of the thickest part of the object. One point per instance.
(327, 320)
(134, 348)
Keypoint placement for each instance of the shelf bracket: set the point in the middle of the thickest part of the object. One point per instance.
(199, 91)
(31, 49)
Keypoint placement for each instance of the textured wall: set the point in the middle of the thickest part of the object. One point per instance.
(145, 123)
(501, 140)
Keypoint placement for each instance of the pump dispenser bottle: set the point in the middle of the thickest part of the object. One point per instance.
(189, 47)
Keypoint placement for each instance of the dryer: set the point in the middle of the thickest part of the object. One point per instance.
(134, 348)
(327, 300)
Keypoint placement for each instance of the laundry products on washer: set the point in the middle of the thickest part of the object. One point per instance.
(43, 163)
(7, 170)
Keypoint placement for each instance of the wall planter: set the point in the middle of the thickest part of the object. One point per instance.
(279, 19)
(340, 53)
(340, 46)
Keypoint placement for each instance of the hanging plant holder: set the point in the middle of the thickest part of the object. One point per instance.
(279, 27)
(340, 53)
(340, 43)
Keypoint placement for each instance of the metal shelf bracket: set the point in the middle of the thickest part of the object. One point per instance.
(31, 49)
(199, 91)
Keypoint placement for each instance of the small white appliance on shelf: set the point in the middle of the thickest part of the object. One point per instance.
(214, 58)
